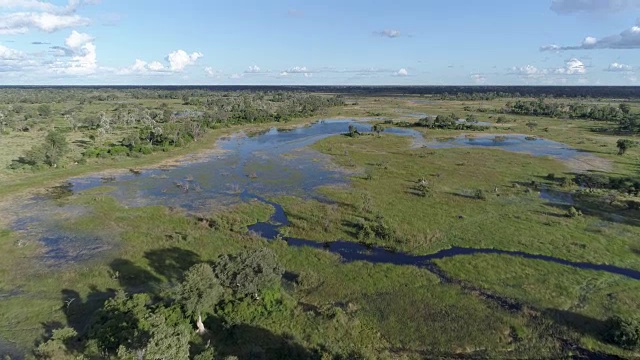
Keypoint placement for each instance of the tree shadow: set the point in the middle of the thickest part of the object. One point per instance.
(172, 262)
(582, 324)
(132, 277)
(252, 342)
(464, 196)
(79, 312)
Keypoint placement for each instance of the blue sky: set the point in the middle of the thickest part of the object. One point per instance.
(348, 42)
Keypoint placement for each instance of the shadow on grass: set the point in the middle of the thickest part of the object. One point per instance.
(579, 323)
(464, 196)
(172, 262)
(79, 311)
(132, 277)
(251, 342)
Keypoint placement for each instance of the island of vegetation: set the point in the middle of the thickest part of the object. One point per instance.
(319, 223)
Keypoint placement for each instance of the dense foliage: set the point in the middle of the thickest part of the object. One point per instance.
(142, 120)
(621, 114)
(142, 326)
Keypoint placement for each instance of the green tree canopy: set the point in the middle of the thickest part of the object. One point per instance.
(249, 272)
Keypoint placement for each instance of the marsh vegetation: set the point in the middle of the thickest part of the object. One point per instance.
(411, 237)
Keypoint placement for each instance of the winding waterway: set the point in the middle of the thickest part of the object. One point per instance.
(266, 165)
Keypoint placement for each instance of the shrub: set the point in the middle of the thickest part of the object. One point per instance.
(118, 150)
(480, 194)
(573, 212)
(623, 332)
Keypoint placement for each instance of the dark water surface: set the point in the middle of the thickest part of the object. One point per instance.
(352, 251)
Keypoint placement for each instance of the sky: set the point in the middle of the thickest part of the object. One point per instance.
(310, 42)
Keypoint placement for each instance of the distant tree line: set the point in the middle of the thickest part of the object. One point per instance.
(627, 120)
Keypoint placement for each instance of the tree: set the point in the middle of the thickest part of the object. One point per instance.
(377, 128)
(624, 145)
(249, 272)
(625, 108)
(199, 293)
(532, 125)
(44, 110)
(50, 152)
(353, 131)
(57, 346)
(55, 147)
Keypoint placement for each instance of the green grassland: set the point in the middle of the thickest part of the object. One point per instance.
(357, 310)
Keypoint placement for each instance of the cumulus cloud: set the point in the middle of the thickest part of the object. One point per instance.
(565, 7)
(572, 67)
(156, 66)
(618, 67)
(388, 33)
(209, 71)
(10, 54)
(40, 15)
(298, 70)
(179, 59)
(479, 78)
(628, 39)
(551, 75)
(76, 39)
(255, 69)
(20, 23)
(528, 71)
(84, 57)
(402, 72)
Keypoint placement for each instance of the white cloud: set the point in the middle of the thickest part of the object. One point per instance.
(628, 39)
(84, 60)
(255, 69)
(10, 54)
(592, 6)
(236, 76)
(156, 66)
(21, 23)
(618, 67)
(284, 73)
(298, 70)
(479, 78)
(76, 39)
(388, 33)
(402, 72)
(44, 6)
(139, 66)
(40, 15)
(528, 71)
(210, 71)
(179, 59)
(572, 67)
(550, 76)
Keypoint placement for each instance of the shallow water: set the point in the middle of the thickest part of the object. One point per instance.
(516, 143)
(272, 163)
(269, 164)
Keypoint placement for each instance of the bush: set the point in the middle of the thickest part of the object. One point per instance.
(118, 150)
(624, 332)
(573, 212)
(480, 194)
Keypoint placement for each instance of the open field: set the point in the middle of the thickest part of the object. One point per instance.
(414, 201)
